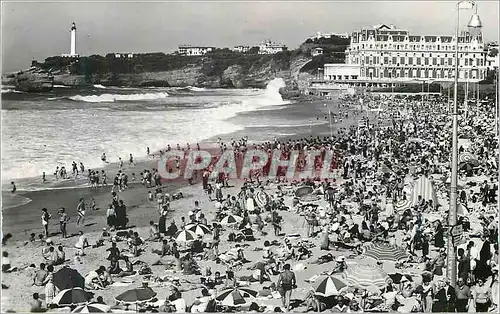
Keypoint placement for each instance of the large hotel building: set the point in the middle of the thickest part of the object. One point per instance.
(385, 54)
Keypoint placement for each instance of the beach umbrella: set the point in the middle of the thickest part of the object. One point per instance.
(136, 295)
(67, 278)
(402, 205)
(385, 252)
(199, 229)
(329, 286)
(73, 296)
(185, 236)
(92, 308)
(262, 199)
(235, 296)
(231, 220)
(462, 210)
(466, 166)
(303, 191)
(424, 187)
(365, 276)
(397, 277)
(469, 158)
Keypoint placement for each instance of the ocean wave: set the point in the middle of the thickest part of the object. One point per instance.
(118, 97)
(100, 86)
(287, 125)
(196, 89)
(9, 90)
(62, 86)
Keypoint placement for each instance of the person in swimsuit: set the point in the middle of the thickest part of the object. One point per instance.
(80, 210)
(287, 283)
(131, 160)
(45, 221)
(13, 187)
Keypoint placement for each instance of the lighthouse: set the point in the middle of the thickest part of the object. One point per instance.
(73, 40)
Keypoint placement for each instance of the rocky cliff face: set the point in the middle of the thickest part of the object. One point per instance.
(198, 74)
(32, 80)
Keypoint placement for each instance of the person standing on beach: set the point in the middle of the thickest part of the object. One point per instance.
(131, 160)
(80, 210)
(286, 282)
(120, 163)
(14, 189)
(104, 182)
(63, 220)
(45, 221)
(43, 178)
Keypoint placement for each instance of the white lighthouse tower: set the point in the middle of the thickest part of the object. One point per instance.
(73, 40)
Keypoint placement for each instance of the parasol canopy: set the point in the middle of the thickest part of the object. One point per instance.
(199, 229)
(402, 205)
(329, 286)
(303, 191)
(468, 158)
(385, 252)
(231, 220)
(73, 296)
(365, 276)
(236, 296)
(262, 199)
(92, 308)
(136, 295)
(67, 278)
(185, 236)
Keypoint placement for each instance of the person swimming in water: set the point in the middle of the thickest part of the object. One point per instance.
(103, 157)
(14, 189)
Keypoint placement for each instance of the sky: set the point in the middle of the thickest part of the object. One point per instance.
(37, 30)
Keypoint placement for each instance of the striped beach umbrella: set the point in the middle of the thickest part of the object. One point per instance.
(365, 276)
(73, 296)
(92, 308)
(185, 236)
(402, 205)
(236, 296)
(385, 252)
(231, 220)
(468, 158)
(329, 286)
(199, 229)
(262, 199)
(136, 295)
(303, 191)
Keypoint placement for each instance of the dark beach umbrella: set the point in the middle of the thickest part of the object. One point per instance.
(136, 295)
(466, 166)
(67, 278)
(303, 190)
(397, 277)
(72, 296)
(199, 229)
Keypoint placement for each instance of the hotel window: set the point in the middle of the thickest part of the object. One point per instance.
(437, 47)
(418, 61)
(367, 59)
(434, 61)
(426, 61)
(386, 60)
(410, 60)
(402, 60)
(394, 60)
(450, 61)
(442, 61)
(466, 62)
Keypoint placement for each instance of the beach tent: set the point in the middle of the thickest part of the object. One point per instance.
(199, 229)
(92, 308)
(236, 296)
(67, 278)
(329, 286)
(424, 187)
(136, 295)
(365, 276)
(185, 236)
(73, 296)
(385, 252)
(262, 199)
(303, 191)
(231, 220)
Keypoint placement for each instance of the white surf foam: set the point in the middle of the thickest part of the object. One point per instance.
(100, 86)
(119, 97)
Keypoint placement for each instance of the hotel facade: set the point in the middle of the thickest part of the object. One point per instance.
(387, 54)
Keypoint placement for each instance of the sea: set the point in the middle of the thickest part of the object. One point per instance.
(43, 131)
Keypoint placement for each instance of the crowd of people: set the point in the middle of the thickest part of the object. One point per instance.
(391, 189)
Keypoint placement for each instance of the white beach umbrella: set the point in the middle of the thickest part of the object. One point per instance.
(185, 236)
(231, 220)
(199, 229)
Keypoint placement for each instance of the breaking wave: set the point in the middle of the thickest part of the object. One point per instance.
(118, 97)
